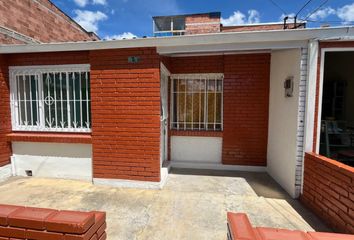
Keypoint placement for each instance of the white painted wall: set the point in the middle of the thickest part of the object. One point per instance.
(53, 160)
(196, 149)
(283, 119)
(5, 172)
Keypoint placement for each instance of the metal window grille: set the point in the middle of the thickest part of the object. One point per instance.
(197, 101)
(51, 98)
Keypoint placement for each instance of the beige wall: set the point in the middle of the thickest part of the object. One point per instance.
(53, 160)
(283, 116)
(196, 149)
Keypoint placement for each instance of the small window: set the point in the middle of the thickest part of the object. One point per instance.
(197, 102)
(169, 26)
(55, 98)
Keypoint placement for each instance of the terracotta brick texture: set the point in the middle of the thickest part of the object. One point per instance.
(196, 133)
(49, 137)
(60, 58)
(240, 228)
(40, 20)
(263, 27)
(6, 135)
(211, 23)
(17, 222)
(246, 100)
(246, 104)
(328, 191)
(203, 23)
(5, 113)
(5, 39)
(125, 106)
(125, 103)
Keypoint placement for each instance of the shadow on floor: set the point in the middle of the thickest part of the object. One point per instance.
(264, 186)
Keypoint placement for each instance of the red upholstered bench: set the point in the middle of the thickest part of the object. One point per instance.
(240, 228)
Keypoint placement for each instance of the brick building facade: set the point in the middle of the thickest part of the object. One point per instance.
(35, 21)
(122, 112)
(205, 23)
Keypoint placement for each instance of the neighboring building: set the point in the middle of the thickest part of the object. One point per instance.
(123, 112)
(204, 23)
(35, 21)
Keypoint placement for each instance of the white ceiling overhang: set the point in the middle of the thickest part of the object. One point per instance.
(240, 41)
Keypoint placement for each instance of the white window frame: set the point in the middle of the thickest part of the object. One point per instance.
(172, 31)
(206, 76)
(39, 70)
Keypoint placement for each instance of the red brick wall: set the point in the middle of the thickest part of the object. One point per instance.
(126, 114)
(126, 107)
(5, 113)
(202, 23)
(201, 64)
(239, 227)
(60, 58)
(41, 20)
(18, 222)
(49, 137)
(328, 191)
(246, 100)
(5, 39)
(246, 103)
(247, 28)
(125, 102)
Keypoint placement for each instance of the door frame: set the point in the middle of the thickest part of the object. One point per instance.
(323, 52)
(164, 73)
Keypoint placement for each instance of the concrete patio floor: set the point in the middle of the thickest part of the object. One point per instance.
(192, 205)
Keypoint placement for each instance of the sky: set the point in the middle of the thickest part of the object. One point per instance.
(117, 19)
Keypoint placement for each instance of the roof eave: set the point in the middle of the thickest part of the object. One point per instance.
(187, 40)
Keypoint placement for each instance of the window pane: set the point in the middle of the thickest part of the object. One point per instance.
(179, 23)
(49, 100)
(219, 86)
(175, 108)
(85, 100)
(218, 107)
(211, 109)
(197, 104)
(34, 100)
(211, 86)
(189, 110)
(71, 98)
(64, 91)
(27, 100)
(181, 109)
(198, 109)
(162, 24)
(182, 85)
(64, 95)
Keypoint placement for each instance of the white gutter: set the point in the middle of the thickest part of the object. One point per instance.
(187, 40)
(338, 38)
(230, 47)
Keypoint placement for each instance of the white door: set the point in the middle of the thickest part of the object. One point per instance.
(164, 114)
